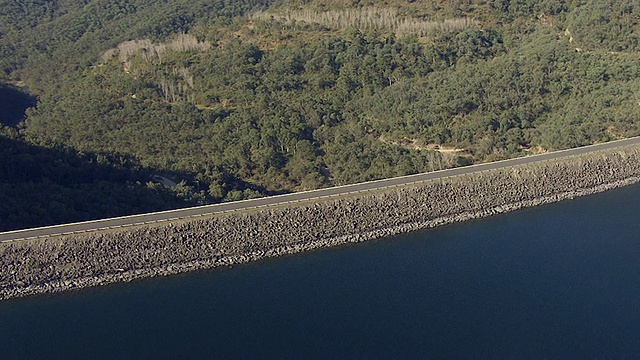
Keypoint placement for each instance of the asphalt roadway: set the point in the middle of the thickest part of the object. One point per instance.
(193, 212)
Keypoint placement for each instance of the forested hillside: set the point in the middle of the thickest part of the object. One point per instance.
(238, 99)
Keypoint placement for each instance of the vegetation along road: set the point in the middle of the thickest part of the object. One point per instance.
(297, 197)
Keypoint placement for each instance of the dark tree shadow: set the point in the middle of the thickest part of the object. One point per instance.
(42, 186)
(13, 104)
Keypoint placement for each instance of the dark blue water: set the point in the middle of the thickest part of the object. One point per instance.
(559, 281)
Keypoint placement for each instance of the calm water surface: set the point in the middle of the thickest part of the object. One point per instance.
(558, 281)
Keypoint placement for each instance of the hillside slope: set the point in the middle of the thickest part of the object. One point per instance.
(246, 98)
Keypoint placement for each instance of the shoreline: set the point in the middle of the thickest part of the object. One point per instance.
(239, 238)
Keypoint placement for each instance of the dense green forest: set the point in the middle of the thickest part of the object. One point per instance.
(231, 100)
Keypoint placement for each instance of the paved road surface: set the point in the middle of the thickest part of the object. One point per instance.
(281, 199)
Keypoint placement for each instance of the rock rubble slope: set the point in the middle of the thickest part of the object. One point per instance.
(71, 262)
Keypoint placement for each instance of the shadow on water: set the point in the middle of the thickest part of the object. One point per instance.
(13, 104)
(42, 186)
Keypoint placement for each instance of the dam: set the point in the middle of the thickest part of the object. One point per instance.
(60, 262)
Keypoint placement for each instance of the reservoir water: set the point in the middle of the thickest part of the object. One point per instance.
(556, 281)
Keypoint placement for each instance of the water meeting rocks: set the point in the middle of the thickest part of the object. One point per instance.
(70, 262)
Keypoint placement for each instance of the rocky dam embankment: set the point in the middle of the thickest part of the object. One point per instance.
(75, 261)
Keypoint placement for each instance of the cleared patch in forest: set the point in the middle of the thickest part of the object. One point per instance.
(369, 18)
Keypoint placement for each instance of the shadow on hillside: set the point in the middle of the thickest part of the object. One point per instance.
(41, 186)
(13, 104)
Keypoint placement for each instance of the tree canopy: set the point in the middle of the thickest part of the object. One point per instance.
(240, 99)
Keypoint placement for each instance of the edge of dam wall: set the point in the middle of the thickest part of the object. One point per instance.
(71, 262)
